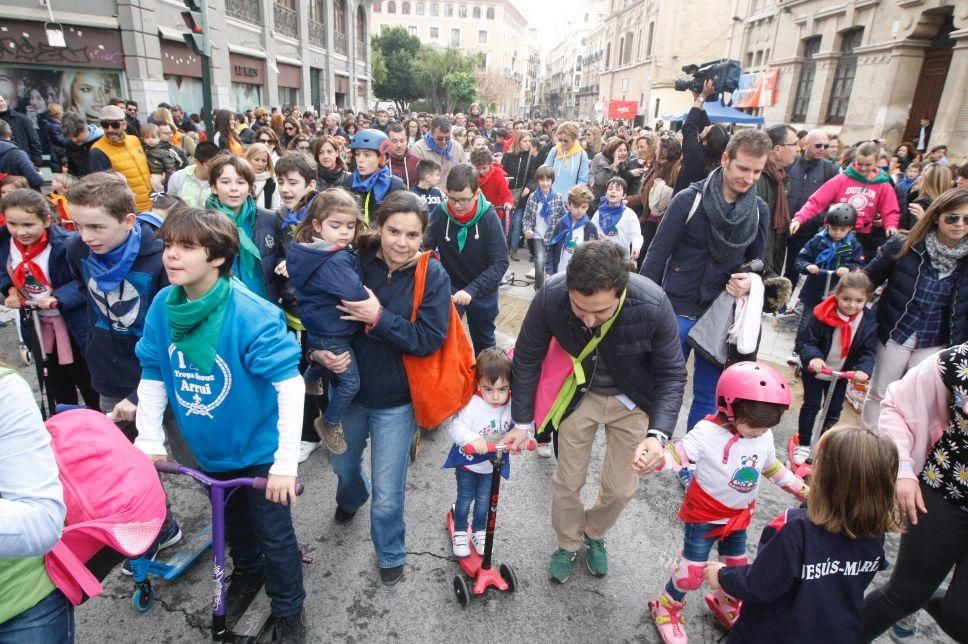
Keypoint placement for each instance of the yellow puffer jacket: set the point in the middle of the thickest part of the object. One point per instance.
(128, 158)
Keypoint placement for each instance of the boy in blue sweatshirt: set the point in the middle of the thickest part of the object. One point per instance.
(428, 176)
(223, 357)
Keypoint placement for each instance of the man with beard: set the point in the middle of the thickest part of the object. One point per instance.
(772, 188)
(122, 153)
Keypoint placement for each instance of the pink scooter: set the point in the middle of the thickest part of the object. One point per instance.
(805, 469)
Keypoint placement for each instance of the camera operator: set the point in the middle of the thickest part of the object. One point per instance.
(702, 142)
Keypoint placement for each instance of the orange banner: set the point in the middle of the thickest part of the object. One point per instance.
(757, 90)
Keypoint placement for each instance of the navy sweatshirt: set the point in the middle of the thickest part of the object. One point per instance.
(323, 274)
(479, 267)
(806, 584)
(116, 320)
(816, 338)
(813, 289)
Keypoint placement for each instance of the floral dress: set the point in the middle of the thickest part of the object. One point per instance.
(946, 469)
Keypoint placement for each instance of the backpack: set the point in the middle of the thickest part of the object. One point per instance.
(115, 502)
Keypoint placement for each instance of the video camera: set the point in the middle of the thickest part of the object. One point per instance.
(723, 73)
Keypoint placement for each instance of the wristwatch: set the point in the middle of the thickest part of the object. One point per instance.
(659, 436)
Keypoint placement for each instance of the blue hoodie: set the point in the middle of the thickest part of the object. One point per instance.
(323, 274)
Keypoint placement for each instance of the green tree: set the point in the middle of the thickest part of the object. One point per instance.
(433, 65)
(461, 90)
(394, 74)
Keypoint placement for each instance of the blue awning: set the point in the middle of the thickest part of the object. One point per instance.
(719, 113)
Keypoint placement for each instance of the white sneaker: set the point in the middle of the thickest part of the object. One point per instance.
(478, 539)
(801, 454)
(306, 448)
(461, 549)
(544, 450)
(793, 359)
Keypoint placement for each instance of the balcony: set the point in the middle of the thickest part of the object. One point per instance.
(339, 43)
(361, 49)
(286, 22)
(317, 34)
(244, 10)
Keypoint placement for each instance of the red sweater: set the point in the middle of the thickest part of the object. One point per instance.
(866, 198)
(494, 185)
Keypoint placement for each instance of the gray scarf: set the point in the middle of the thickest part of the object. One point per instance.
(732, 227)
(943, 258)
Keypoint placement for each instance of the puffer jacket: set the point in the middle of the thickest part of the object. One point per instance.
(128, 158)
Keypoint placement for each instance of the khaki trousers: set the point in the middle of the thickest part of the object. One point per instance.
(624, 430)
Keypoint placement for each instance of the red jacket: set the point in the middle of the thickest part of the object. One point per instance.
(866, 198)
(494, 185)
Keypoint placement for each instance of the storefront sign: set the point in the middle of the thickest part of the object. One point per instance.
(246, 69)
(290, 75)
(178, 60)
(26, 43)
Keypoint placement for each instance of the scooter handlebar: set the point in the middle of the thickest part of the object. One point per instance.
(260, 483)
(168, 467)
(495, 447)
(845, 375)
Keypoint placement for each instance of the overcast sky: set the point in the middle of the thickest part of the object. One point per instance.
(547, 15)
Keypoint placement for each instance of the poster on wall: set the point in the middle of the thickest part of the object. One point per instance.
(757, 89)
(29, 90)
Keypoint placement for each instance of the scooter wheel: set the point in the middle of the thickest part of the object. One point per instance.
(143, 599)
(507, 574)
(460, 591)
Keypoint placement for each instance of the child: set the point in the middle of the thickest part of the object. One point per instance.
(60, 183)
(191, 182)
(324, 272)
(161, 205)
(264, 190)
(8, 184)
(840, 336)
(428, 176)
(731, 450)
(572, 231)
(807, 583)
(541, 214)
(494, 184)
(617, 222)
(833, 248)
(485, 419)
(223, 359)
(163, 161)
(37, 275)
(372, 180)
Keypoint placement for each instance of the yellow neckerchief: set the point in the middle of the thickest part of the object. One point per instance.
(575, 149)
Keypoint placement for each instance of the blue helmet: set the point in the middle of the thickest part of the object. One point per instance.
(370, 139)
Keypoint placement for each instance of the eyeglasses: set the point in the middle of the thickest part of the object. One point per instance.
(460, 202)
(112, 125)
(821, 146)
(952, 219)
(795, 144)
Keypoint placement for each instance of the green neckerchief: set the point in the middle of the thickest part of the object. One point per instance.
(577, 376)
(195, 326)
(249, 257)
(880, 177)
(482, 206)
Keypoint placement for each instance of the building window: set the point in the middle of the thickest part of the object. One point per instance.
(844, 77)
(455, 37)
(476, 13)
(377, 7)
(648, 46)
(811, 46)
(434, 9)
(628, 48)
(412, 30)
(419, 9)
(608, 54)
(448, 10)
(462, 11)
(749, 60)
(482, 37)
(405, 9)
(391, 7)
(434, 33)
(490, 13)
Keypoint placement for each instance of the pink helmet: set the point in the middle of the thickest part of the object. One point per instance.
(750, 381)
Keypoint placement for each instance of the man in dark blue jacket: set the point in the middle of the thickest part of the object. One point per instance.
(711, 228)
(469, 237)
(15, 161)
(24, 134)
(808, 172)
(632, 380)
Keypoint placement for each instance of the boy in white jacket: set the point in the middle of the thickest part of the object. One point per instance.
(617, 222)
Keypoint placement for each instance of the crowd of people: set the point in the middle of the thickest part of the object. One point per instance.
(237, 298)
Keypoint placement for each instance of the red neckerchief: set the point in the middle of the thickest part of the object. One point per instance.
(463, 219)
(826, 312)
(19, 273)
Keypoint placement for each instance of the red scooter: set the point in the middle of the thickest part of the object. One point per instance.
(475, 566)
(805, 469)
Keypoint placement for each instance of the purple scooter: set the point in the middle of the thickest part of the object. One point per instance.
(218, 493)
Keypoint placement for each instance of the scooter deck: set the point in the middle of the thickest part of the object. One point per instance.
(251, 626)
(471, 564)
(187, 553)
(804, 470)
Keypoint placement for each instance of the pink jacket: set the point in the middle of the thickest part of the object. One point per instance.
(915, 413)
(866, 198)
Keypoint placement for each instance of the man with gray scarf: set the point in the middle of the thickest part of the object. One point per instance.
(709, 230)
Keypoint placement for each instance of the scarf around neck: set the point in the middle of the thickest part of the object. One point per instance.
(570, 226)
(880, 177)
(545, 201)
(295, 217)
(835, 253)
(781, 211)
(463, 222)
(378, 183)
(432, 144)
(943, 259)
(608, 215)
(731, 227)
(570, 152)
(250, 259)
(108, 270)
(27, 265)
(827, 313)
(196, 326)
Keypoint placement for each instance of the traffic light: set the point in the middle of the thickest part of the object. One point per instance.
(196, 37)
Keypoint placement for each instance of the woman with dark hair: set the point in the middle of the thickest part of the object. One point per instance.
(331, 168)
(520, 164)
(268, 137)
(300, 143)
(655, 191)
(906, 154)
(608, 163)
(291, 128)
(350, 127)
(412, 128)
(225, 136)
(382, 415)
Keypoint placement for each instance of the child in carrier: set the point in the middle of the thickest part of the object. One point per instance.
(731, 450)
(485, 419)
(324, 271)
(812, 566)
(840, 336)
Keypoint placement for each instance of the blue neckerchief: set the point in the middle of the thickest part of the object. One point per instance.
(432, 144)
(608, 216)
(378, 182)
(151, 219)
(295, 217)
(545, 202)
(569, 228)
(904, 185)
(826, 258)
(108, 270)
(457, 458)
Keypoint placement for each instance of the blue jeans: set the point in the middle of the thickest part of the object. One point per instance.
(514, 231)
(49, 621)
(696, 546)
(705, 376)
(390, 431)
(343, 387)
(481, 313)
(260, 533)
(472, 487)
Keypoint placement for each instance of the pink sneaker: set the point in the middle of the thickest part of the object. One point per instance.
(725, 608)
(665, 614)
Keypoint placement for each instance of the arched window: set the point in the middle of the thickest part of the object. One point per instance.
(405, 9)
(462, 11)
(477, 13)
(391, 7)
(448, 10)
(490, 13)
(435, 9)
(419, 8)
(361, 25)
(339, 15)
(377, 7)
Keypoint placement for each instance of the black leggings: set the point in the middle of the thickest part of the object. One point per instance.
(929, 550)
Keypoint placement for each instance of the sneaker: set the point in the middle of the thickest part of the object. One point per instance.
(306, 449)
(561, 564)
(596, 557)
(906, 628)
(685, 476)
(479, 538)
(342, 517)
(793, 359)
(168, 537)
(801, 454)
(544, 450)
(331, 435)
(459, 543)
(289, 630)
(243, 587)
(390, 576)
(315, 387)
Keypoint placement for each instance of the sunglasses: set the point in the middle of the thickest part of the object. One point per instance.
(951, 220)
(112, 125)
(265, 140)
(821, 146)
(290, 128)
